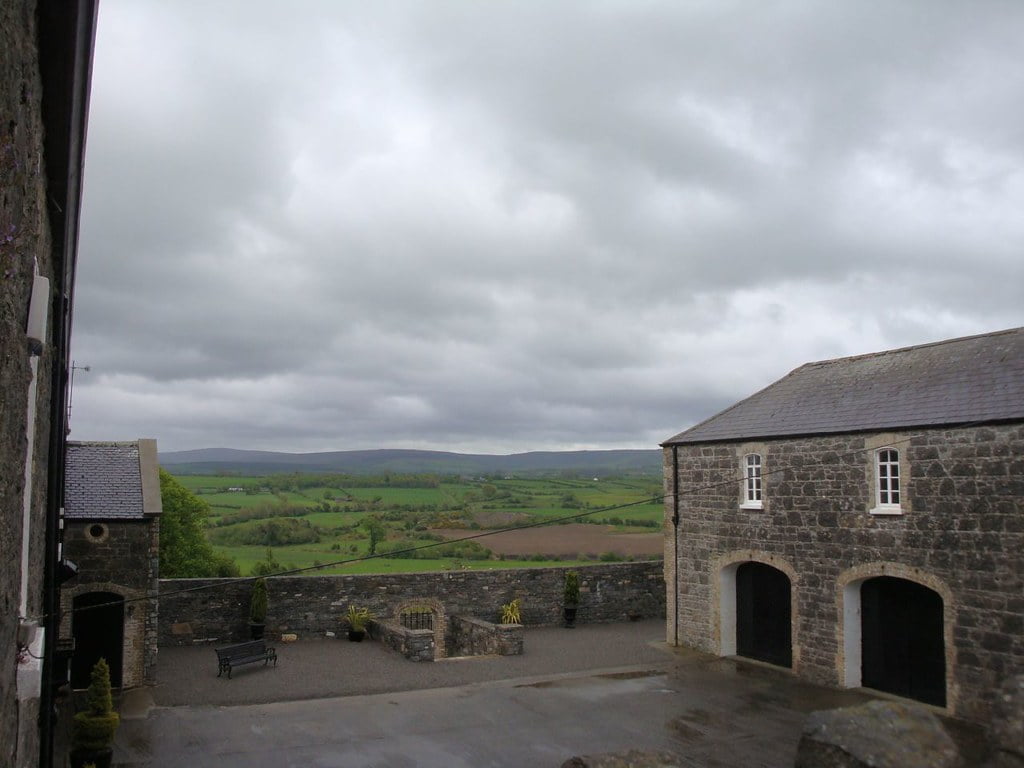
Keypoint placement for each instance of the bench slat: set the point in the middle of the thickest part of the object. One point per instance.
(229, 656)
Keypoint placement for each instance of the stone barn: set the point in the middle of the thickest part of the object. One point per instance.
(860, 522)
(112, 533)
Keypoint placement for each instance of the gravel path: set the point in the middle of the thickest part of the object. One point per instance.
(325, 668)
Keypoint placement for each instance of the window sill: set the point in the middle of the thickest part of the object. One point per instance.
(752, 505)
(886, 511)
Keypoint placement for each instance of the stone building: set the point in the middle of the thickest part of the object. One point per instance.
(45, 65)
(112, 533)
(860, 521)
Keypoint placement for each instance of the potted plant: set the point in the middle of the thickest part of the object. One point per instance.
(510, 613)
(571, 598)
(258, 609)
(92, 729)
(357, 619)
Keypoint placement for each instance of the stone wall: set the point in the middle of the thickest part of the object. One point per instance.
(961, 534)
(24, 244)
(476, 637)
(122, 557)
(413, 644)
(313, 605)
(465, 636)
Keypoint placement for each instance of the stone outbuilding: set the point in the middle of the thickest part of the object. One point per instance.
(112, 533)
(861, 522)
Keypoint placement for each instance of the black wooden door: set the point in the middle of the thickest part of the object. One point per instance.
(902, 645)
(99, 633)
(763, 614)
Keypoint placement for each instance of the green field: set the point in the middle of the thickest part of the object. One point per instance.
(305, 521)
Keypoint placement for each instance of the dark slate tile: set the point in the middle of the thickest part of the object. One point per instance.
(967, 380)
(103, 480)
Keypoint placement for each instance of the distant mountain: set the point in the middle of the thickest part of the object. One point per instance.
(211, 461)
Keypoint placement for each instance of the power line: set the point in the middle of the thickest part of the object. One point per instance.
(377, 556)
(739, 478)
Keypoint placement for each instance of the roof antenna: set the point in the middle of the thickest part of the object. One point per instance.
(71, 389)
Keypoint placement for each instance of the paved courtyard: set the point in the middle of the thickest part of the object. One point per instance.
(589, 690)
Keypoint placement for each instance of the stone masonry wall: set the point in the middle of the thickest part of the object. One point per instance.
(476, 637)
(24, 240)
(124, 560)
(313, 605)
(413, 644)
(961, 534)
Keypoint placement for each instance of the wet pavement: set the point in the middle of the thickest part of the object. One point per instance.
(589, 690)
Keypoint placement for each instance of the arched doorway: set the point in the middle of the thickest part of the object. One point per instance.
(903, 648)
(98, 628)
(763, 614)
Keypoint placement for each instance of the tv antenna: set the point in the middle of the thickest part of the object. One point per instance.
(71, 387)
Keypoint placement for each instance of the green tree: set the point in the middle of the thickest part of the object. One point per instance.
(184, 551)
(377, 531)
(268, 566)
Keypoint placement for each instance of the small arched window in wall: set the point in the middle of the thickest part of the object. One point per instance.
(887, 482)
(752, 481)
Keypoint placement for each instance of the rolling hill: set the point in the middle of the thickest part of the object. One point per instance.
(207, 461)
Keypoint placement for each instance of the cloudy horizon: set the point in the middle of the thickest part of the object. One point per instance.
(504, 227)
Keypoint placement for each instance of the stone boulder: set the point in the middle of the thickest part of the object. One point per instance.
(879, 734)
(1007, 732)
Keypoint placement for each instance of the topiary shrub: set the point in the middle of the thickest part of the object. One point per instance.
(258, 602)
(92, 729)
(571, 593)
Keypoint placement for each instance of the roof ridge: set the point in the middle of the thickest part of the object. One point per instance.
(76, 443)
(912, 347)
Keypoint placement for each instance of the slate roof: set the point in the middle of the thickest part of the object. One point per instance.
(103, 481)
(959, 381)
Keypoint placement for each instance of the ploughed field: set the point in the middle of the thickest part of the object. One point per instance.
(405, 523)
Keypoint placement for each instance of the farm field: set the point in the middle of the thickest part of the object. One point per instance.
(571, 539)
(408, 523)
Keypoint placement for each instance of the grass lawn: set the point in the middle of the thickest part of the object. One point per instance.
(302, 556)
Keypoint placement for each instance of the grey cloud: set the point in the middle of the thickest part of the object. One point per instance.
(514, 226)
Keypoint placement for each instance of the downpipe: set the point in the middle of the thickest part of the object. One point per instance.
(675, 539)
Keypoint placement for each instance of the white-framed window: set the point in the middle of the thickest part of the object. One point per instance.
(887, 482)
(752, 498)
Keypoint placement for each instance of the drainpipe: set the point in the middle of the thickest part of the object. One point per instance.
(66, 34)
(675, 538)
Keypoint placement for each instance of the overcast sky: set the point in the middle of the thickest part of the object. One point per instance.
(507, 226)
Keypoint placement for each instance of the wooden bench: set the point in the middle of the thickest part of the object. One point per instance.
(229, 656)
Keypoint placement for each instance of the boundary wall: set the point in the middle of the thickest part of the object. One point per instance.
(315, 605)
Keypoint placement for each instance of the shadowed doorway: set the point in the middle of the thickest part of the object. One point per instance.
(902, 644)
(98, 633)
(763, 614)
